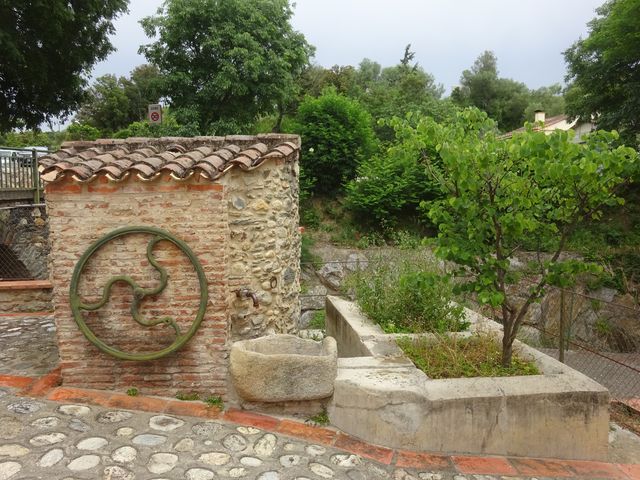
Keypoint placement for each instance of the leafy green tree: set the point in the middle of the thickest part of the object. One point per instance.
(337, 136)
(107, 105)
(226, 61)
(79, 131)
(503, 99)
(48, 48)
(501, 194)
(113, 103)
(548, 99)
(603, 70)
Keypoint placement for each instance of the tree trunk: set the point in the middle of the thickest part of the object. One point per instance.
(507, 350)
(277, 128)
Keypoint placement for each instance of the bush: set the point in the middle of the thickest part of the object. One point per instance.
(336, 137)
(394, 183)
(407, 295)
(80, 131)
(168, 128)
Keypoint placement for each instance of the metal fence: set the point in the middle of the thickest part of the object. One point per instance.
(19, 177)
(608, 353)
(604, 353)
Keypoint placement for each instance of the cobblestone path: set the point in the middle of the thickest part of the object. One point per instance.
(43, 439)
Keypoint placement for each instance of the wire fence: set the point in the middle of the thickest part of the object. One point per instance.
(24, 245)
(589, 331)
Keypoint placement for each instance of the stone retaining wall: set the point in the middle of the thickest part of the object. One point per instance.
(381, 397)
(25, 297)
(26, 231)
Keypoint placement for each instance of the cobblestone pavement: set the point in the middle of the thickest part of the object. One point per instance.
(46, 439)
(39, 439)
(27, 345)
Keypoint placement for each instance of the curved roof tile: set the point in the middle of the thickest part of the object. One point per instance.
(211, 157)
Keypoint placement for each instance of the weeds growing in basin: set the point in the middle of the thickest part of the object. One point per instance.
(407, 294)
(318, 320)
(133, 392)
(190, 396)
(320, 419)
(214, 401)
(449, 357)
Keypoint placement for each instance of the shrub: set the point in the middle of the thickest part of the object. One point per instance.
(336, 136)
(395, 182)
(407, 295)
(80, 131)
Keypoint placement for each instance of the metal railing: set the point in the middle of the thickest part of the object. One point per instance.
(19, 177)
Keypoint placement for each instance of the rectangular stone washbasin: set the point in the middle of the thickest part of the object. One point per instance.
(282, 368)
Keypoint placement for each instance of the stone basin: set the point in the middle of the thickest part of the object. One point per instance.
(282, 368)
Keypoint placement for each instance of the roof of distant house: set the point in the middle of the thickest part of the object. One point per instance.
(536, 127)
(180, 157)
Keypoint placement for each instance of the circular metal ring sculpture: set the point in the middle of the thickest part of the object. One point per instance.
(77, 306)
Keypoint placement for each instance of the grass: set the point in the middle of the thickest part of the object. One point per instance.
(214, 401)
(451, 357)
(307, 257)
(189, 396)
(320, 419)
(318, 320)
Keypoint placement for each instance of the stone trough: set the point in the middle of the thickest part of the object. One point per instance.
(283, 368)
(382, 398)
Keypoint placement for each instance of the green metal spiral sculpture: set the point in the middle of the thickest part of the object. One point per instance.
(139, 293)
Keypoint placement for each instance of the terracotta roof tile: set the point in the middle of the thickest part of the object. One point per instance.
(146, 158)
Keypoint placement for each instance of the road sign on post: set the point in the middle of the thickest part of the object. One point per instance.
(155, 113)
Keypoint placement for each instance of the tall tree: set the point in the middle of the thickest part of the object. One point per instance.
(503, 99)
(604, 70)
(226, 61)
(113, 103)
(48, 48)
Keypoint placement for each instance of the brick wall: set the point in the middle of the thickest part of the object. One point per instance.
(243, 229)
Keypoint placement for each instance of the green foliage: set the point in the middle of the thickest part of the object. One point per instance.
(47, 50)
(214, 401)
(307, 257)
(168, 128)
(132, 392)
(504, 100)
(318, 320)
(394, 183)
(79, 131)
(188, 396)
(407, 295)
(113, 103)
(454, 357)
(32, 138)
(603, 70)
(226, 61)
(337, 136)
(499, 192)
(320, 419)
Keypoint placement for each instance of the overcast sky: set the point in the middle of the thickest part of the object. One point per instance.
(528, 36)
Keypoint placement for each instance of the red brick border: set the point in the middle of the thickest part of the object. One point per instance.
(47, 387)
